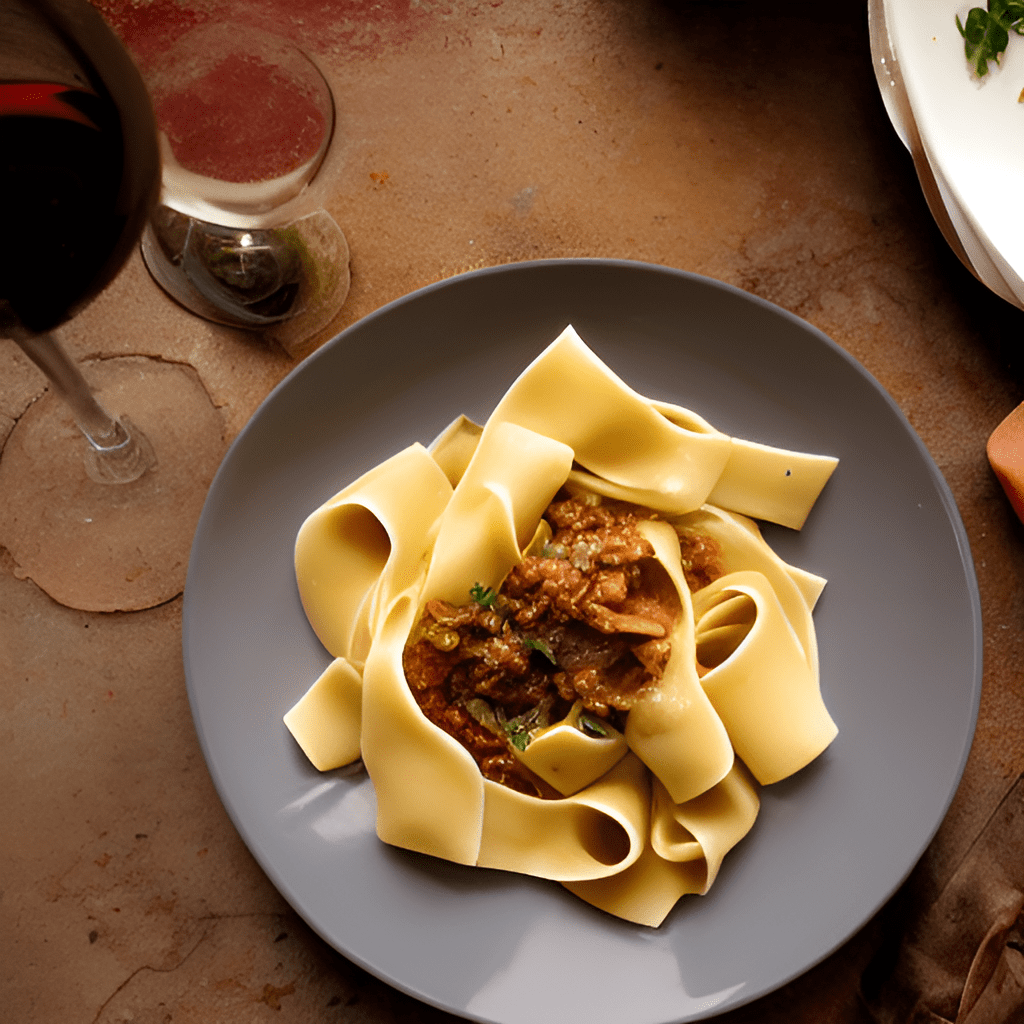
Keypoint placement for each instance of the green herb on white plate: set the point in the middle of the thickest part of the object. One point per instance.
(986, 33)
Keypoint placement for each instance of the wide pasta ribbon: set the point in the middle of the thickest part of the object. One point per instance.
(759, 678)
(353, 555)
(430, 793)
(326, 722)
(675, 730)
(569, 395)
(687, 845)
(635, 449)
(597, 832)
(567, 758)
(494, 511)
(366, 545)
(739, 546)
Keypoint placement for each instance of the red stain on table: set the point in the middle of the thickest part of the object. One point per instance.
(148, 27)
(247, 119)
(244, 120)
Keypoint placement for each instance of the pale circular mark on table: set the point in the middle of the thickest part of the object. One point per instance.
(111, 548)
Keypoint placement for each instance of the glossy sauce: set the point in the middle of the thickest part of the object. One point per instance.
(587, 621)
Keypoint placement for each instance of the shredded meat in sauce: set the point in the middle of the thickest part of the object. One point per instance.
(588, 620)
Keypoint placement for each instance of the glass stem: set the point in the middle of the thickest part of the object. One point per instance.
(93, 420)
(119, 452)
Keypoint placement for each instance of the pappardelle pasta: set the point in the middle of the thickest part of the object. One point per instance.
(561, 645)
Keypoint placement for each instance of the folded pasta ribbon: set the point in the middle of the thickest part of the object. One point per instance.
(366, 545)
(740, 546)
(571, 396)
(494, 510)
(675, 730)
(759, 678)
(353, 555)
(688, 843)
(567, 758)
(634, 449)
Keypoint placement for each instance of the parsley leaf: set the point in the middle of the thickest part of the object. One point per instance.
(518, 736)
(540, 645)
(484, 596)
(519, 730)
(591, 726)
(985, 39)
(986, 33)
(516, 729)
(1011, 12)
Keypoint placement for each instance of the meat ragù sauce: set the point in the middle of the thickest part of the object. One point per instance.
(586, 621)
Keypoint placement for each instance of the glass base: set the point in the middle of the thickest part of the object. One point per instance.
(97, 547)
(288, 282)
(123, 461)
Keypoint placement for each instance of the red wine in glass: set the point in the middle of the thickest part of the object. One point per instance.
(79, 173)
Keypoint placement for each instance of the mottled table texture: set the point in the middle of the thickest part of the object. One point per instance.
(747, 142)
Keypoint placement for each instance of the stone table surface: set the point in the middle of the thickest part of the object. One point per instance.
(744, 142)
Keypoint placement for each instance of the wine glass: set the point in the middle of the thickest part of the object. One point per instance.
(239, 237)
(76, 189)
(99, 515)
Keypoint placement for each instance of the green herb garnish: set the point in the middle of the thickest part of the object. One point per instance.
(591, 726)
(986, 33)
(539, 645)
(551, 550)
(518, 729)
(484, 596)
(518, 736)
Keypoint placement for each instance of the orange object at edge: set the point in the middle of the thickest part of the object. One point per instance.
(1006, 456)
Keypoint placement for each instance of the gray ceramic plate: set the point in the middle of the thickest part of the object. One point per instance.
(899, 629)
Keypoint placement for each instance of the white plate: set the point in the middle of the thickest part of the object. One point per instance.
(966, 133)
(899, 630)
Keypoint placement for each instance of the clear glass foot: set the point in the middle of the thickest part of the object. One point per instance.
(118, 452)
(125, 458)
(287, 281)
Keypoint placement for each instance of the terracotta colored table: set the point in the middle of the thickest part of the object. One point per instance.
(727, 139)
